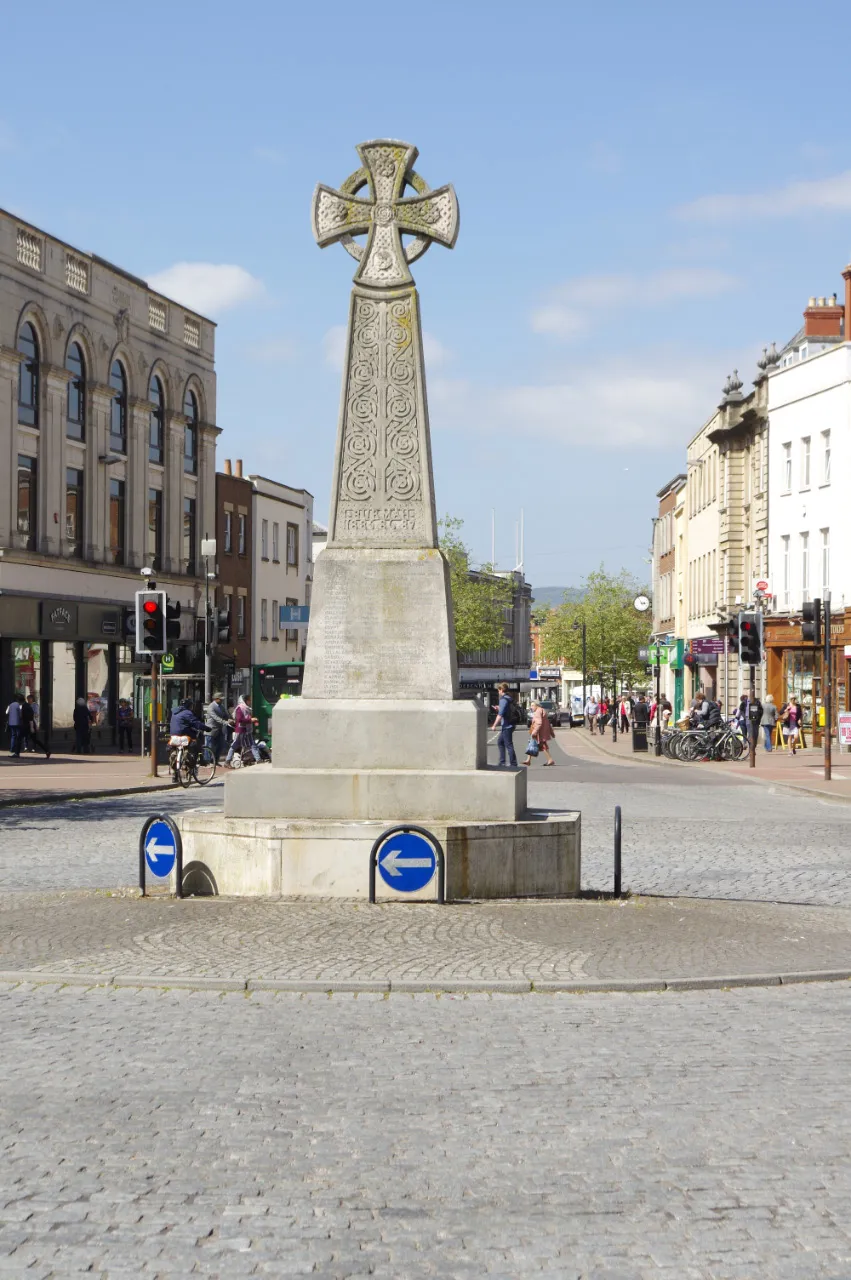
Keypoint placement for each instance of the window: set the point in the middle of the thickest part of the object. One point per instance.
(805, 567)
(276, 619)
(157, 315)
(74, 510)
(227, 604)
(292, 632)
(117, 513)
(155, 529)
(76, 273)
(264, 620)
(28, 376)
(825, 561)
(189, 535)
(29, 249)
(784, 543)
(825, 457)
(264, 539)
(787, 468)
(240, 616)
(228, 532)
(241, 546)
(276, 531)
(118, 408)
(292, 546)
(156, 432)
(75, 414)
(805, 462)
(27, 488)
(191, 332)
(190, 433)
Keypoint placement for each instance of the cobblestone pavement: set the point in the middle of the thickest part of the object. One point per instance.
(695, 1136)
(336, 941)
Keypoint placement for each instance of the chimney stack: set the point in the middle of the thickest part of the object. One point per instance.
(846, 276)
(227, 467)
(238, 472)
(823, 318)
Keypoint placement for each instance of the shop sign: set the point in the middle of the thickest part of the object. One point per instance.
(58, 621)
(845, 728)
(27, 653)
(706, 645)
(549, 673)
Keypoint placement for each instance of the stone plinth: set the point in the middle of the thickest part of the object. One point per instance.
(538, 857)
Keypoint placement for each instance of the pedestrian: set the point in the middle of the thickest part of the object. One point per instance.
(793, 717)
(125, 725)
(541, 732)
(15, 725)
(82, 728)
(30, 727)
(624, 712)
(244, 732)
(667, 712)
(591, 711)
(217, 722)
(602, 715)
(508, 716)
(769, 720)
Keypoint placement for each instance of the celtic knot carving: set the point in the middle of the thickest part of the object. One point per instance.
(359, 478)
(402, 448)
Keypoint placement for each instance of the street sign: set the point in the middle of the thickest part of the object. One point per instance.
(167, 662)
(294, 615)
(407, 861)
(160, 843)
(533, 675)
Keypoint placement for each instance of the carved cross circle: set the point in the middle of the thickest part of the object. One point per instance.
(388, 168)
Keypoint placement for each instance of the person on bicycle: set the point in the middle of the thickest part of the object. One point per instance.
(184, 723)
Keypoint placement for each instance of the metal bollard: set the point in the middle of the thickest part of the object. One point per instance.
(617, 851)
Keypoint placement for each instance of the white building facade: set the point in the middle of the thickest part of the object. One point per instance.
(282, 555)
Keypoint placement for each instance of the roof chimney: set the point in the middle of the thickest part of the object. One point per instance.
(238, 471)
(846, 276)
(823, 318)
(227, 467)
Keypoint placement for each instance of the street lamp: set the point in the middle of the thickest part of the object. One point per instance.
(577, 626)
(208, 552)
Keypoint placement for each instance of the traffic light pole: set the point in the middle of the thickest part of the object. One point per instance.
(658, 744)
(207, 689)
(752, 728)
(155, 689)
(827, 691)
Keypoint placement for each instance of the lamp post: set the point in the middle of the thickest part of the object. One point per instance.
(208, 552)
(580, 626)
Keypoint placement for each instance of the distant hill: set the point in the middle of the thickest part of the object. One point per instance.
(554, 596)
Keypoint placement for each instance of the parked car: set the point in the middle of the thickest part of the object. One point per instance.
(553, 711)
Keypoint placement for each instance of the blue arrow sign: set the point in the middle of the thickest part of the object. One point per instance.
(160, 848)
(407, 862)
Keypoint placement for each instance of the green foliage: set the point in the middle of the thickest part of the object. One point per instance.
(614, 629)
(478, 597)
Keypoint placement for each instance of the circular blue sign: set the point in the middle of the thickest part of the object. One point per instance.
(160, 848)
(407, 861)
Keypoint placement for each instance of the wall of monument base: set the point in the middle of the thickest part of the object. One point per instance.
(460, 795)
(537, 857)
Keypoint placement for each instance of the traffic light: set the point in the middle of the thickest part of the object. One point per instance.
(151, 622)
(732, 633)
(750, 638)
(811, 625)
(172, 619)
(222, 626)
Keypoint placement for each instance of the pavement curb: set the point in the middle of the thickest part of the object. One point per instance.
(62, 797)
(436, 986)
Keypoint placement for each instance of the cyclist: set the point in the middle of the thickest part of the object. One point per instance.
(185, 723)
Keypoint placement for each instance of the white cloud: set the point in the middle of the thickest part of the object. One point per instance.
(608, 405)
(281, 350)
(577, 304)
(820, 194)
(207, 287)
(334, 349)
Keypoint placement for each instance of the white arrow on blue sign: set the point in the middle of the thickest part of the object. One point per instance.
(407, 862)
(160, 849)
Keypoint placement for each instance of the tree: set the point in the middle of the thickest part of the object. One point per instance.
(615, 630)
(479, 596)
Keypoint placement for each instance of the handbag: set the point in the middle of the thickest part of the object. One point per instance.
(532, 748)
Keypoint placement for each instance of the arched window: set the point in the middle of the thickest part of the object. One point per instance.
(118, 408)
(156, 442)
(190, 434)
(75, 418)
(28, 376)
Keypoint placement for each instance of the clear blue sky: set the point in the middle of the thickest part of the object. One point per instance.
(649, 193)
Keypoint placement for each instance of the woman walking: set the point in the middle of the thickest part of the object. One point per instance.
(82, 727)
(769, 720)
(540, 731)
(793, 717)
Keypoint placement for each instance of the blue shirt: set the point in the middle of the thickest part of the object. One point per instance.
(185, 723)
(504, 708)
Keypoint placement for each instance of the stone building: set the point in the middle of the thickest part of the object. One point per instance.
(231, 663)
(107, 435)
(665, 581)
(282, 519)
(482, 671)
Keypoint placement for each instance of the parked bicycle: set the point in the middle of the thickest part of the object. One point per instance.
(188, 766)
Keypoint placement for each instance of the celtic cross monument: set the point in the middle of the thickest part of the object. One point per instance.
(380, 731)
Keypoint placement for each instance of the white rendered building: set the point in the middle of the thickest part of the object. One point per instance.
(282, 554)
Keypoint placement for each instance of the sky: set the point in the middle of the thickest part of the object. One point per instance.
(649, 194)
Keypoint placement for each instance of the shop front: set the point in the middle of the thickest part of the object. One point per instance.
(794, 667)
(60, 651)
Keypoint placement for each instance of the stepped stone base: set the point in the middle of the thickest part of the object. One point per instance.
(536, 857)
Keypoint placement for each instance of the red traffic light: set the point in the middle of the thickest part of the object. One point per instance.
(150, 606)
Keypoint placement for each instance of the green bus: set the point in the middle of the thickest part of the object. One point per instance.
(270, 683)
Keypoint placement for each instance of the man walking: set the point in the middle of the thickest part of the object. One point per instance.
(15, 725)
(217, 723)
(506, 719)
(591, 709)
(29, 727)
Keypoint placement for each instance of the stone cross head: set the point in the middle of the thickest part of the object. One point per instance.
(385, 214)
